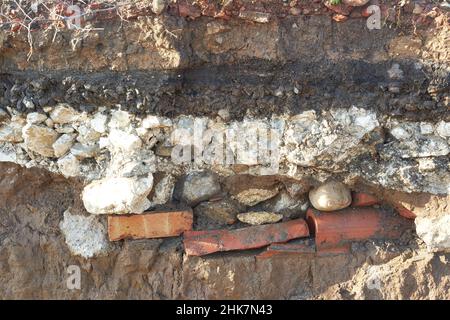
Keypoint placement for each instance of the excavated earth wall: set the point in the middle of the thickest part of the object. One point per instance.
(235, 113)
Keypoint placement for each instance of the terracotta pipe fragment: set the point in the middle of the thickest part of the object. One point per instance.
(198, 243)
(339, 228)
(297, 247)
(361, 199)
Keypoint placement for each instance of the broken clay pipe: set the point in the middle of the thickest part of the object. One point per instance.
(338, 229)
(198, 243)
(361, 199)
(297, 247)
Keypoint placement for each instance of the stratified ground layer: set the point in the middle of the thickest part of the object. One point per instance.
(366, 107)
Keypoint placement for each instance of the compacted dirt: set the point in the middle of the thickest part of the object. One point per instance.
(191, 60)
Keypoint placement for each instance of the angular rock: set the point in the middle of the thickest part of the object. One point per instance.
(120, 119)
(87, 135)
(7, 153)
(121, 141)
(330, 196)
(69, 166)
(255, 16)
(36, 118)
(98, 122)
(164, 190)
(118, 195)
(290, 207)
(40, 139)
(310, 139)
(64, 129)
(28, 103)
(132, 165)
(158, 6)
(418, 147)
(163, 151)
(11, 132)
(197, 187)
(63, 114)
(258, 218)
(153, 122)
(296, 189)
(251, 197)
(82, 151)
(85, 236)
(63, 144)
(434, 231)
(222, 212)
(49, 123)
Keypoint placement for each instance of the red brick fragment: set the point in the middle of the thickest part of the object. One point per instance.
(149, 225)
(361, 199)
(198, 243)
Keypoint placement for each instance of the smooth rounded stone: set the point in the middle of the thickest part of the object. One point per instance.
(84, 235)
(196, 187)
(355, 3)
(222, 212)
(84, 151)
(259, 217)
(39, 139)
(63, 114)
(69, 166)
(118, 195)
(251, 197)
(330, 196)
(63, 144)
(36, 118)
